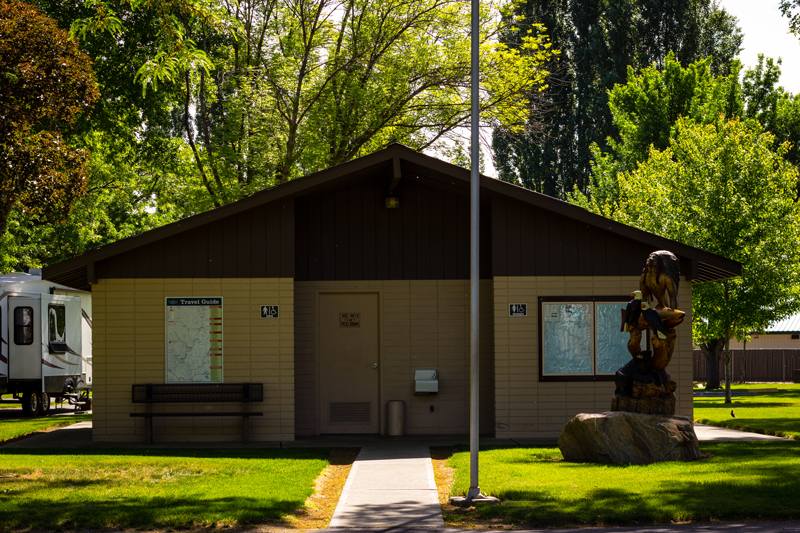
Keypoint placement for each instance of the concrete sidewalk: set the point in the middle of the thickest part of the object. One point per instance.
(390, 487)
(738, 527)
(716, 434)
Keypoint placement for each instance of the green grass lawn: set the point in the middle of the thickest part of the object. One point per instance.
(771, 413)
(758, 480)
(17, 427)
(153, 488)
(10, 403)
(7, 402)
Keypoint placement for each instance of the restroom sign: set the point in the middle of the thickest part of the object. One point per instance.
(349, 320)
(269, 311)
(517, 309)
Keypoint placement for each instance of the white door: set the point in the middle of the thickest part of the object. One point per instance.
(349, 357)
(24, 338)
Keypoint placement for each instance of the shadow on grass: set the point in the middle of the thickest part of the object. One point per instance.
(310, 453)
(741, 480)
(145, 512)
(703, 404)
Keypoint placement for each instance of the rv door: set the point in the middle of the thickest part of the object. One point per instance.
(61, 320)
(24, 338)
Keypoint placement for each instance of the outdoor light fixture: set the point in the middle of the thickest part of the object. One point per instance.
(392, 202)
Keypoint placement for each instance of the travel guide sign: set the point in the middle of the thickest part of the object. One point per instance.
(194, 340)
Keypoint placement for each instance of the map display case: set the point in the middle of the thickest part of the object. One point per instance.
(194, 340)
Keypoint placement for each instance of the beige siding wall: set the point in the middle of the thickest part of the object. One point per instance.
(424, 324)
(129, 345)
(776, 341)
(525, 407)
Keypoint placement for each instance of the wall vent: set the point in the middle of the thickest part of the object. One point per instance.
(348, 413)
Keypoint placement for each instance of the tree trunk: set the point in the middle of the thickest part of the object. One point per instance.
(727, 354)
(728, 371)
(7, 203)
(712, 350)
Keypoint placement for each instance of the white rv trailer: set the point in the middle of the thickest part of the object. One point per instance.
(45, 342)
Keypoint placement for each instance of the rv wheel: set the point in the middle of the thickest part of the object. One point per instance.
(30, 403)
(69, 386)
(44, 404)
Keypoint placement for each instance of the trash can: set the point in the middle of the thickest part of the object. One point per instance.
(796, 375)
(395, 418)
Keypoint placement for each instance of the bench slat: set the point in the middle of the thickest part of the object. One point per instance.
(196, 392)
(203, 413)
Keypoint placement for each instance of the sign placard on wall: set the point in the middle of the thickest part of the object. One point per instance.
(194, 339)
(269, 311)
(349, 320)
(517, 309)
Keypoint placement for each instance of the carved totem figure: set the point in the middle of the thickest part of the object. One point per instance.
(643, 384)
(660, 278)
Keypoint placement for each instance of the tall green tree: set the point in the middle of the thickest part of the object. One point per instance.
(599, 41)
(791, 10)
(645, 111)
(45, 84)
(138, 172)
(775, 108)
(300, 85)
(723, 187)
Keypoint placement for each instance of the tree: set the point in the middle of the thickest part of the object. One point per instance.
(788, 9)
(646, 109)
(599, 41)
(45, 84)
(776, 109)
(301, 85)
(723, 188)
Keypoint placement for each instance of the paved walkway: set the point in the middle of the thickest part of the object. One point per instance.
(738, 527)
(716, 434)
(390, 487)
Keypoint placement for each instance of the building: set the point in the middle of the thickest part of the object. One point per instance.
(332, 300)
(784, 334)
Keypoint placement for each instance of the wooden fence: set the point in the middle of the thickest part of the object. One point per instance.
(754, 366)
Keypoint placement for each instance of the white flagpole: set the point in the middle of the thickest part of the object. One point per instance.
(474, 432)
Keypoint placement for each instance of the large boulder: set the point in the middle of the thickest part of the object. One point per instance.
(622, 437)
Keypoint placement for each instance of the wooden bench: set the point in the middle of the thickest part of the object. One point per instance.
(167, 393)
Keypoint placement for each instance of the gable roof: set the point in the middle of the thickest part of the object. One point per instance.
(398, 162)
(790, 324)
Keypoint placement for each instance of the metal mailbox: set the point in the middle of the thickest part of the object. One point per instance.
(425, 382)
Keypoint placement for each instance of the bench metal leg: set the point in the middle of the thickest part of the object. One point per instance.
(245, 424)
(245, 429)
(148, 430)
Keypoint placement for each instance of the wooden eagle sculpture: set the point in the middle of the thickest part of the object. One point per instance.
(633, 311)
(660, 279)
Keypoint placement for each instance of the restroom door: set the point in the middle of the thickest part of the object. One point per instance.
(348, 363)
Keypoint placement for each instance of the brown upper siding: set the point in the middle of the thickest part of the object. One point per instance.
(348, 234)
(258, 243)
(527, 241)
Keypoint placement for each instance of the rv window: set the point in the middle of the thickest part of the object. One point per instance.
(56, 315)
(23, 325)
